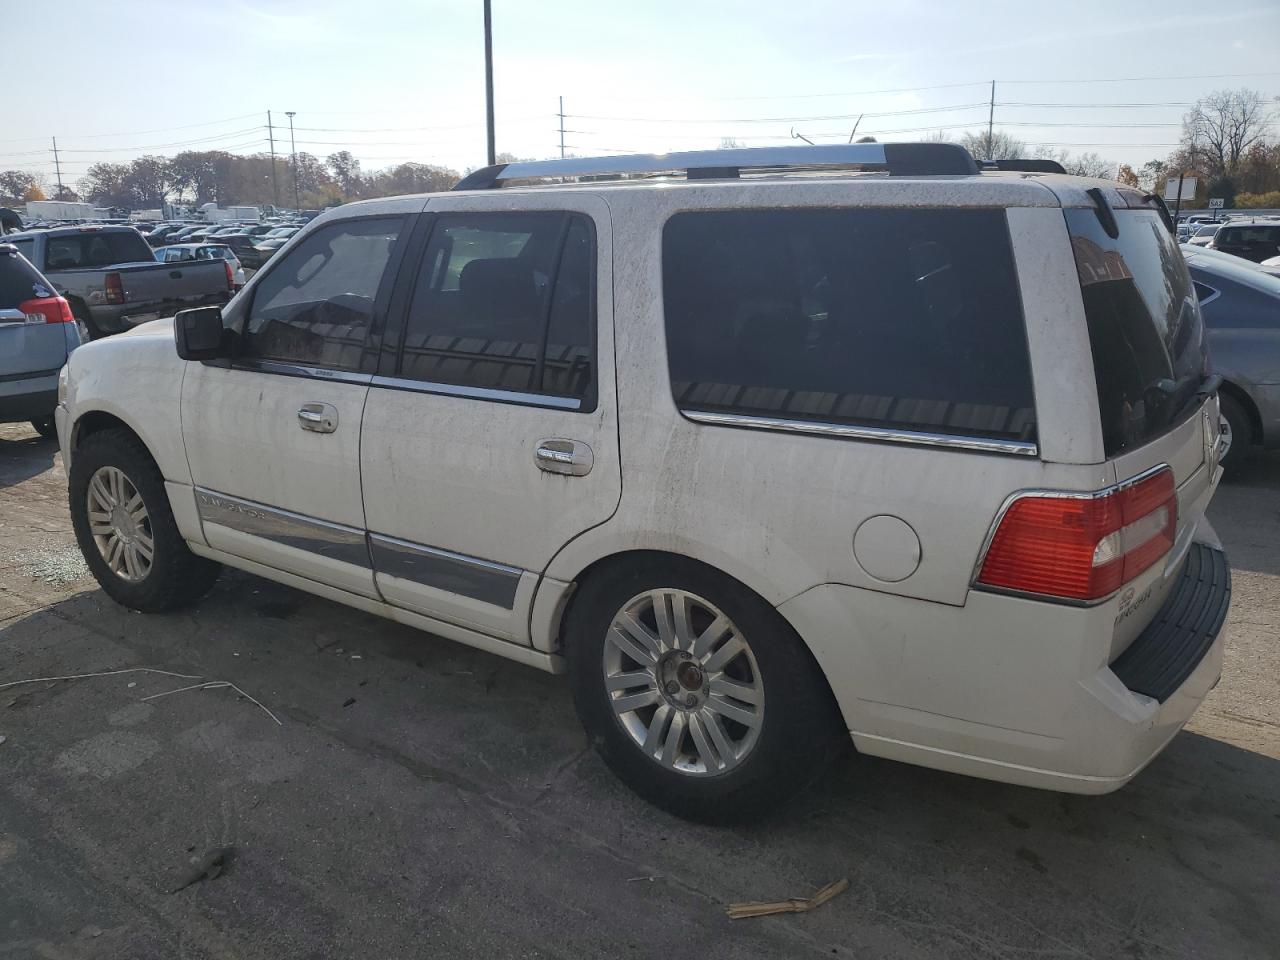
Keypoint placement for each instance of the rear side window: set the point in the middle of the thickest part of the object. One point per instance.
(1144, 325)
(895, 319)
(86, 250)
(506, 302)
(316, 306)
(19, 281)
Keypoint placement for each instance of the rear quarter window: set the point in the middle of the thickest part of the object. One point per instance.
(19, 281)
(883, 318)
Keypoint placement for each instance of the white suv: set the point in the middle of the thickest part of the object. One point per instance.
(760, 446)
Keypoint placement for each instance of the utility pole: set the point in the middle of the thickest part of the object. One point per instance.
(488, 78)
(57, 166)
(991, 121)
(562, 128)
(275, 186)
(293, 149)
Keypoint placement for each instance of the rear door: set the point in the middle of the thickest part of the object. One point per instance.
(1150, 362)
(492, 440)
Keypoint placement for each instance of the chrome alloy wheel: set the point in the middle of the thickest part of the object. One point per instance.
(119, 524)
(683, 682)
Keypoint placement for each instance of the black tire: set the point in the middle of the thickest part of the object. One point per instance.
(1241, 433)
(177, 576)
(46, 428)
(801, 729)
(85, 320)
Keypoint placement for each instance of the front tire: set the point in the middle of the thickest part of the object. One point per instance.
(126, 530)
(695, 692)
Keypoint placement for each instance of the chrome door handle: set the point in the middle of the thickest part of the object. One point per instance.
(572, 458)
(318, 417)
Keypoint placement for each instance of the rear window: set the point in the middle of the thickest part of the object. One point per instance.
(894, 319)
(1144, 325)
(19, 281)
(96, 250)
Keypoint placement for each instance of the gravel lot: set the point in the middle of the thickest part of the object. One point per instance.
(422, 799)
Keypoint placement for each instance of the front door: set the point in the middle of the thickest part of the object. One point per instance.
(273, 440)
(492, 439)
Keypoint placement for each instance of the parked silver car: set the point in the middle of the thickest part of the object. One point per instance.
(1240, 302)
(37, 334)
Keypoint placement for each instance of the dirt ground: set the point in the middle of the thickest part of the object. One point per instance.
(421, 799)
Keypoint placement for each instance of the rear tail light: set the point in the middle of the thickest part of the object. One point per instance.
(114, 288)
(47, 310)
(231, 276)
(1082, 547)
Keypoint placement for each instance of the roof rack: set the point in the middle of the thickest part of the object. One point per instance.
(898, 159)
(1025, 166)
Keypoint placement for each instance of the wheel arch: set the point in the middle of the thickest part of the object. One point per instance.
(637, 556)
(1245, 402)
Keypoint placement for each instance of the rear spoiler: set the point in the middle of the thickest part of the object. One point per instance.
(1024, 166)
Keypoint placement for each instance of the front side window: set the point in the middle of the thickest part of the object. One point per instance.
(316, 306)
(886, 318)
(506, 302)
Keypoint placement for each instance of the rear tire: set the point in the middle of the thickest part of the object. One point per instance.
(120, 511)
(1237, 430)
(46, 428)
(787, 727)
(84, 322)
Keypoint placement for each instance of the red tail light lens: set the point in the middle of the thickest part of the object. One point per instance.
(231, 276)
(52, 309)
(1082, 548)
(114, 288)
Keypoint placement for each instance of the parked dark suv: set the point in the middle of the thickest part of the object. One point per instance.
(1255, 240)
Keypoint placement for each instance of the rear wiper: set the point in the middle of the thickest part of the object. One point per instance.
(1208, 387)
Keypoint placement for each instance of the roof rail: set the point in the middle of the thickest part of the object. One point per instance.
(898, 159)
(1024, 166)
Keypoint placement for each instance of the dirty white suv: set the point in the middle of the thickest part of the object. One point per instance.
(762, 447)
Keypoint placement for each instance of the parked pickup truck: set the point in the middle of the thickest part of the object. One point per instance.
(111, 278)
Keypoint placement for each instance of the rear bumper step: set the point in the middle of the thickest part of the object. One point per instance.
(1168, 651)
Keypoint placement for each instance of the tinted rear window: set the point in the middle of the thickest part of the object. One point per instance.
(19, 281)
(901, 319)
(1144, 325)
(95, 250)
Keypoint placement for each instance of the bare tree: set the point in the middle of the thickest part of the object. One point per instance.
(1084, 165)
(996, 146)
(1222, 126)
(730, 143)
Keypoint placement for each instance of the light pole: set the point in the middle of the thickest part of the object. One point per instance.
(293, 149)
(488, 78)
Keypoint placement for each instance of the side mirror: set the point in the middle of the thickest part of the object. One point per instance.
(198, 333)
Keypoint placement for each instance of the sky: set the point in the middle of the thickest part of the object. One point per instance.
(398, 80)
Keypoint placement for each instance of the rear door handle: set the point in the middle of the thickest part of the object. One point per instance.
(318, 417)
(572, 458)
(175, 274)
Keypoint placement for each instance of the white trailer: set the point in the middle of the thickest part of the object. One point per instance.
(59, 210)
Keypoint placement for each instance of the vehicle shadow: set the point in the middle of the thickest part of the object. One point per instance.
(23, 454)
(1245, 511)
(1183, 861)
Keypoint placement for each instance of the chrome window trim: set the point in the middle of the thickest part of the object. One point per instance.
(1056, 495)
(1022, 448)
(478, 393)
(284, 368)
(325, 538)
(1214, 292)
(457, 573)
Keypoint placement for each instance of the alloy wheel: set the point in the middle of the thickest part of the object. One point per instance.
(119, 524)
(683, 682)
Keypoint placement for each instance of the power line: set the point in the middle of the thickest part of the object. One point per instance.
(138, 133)
(162, 146)
(849, 116)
